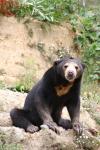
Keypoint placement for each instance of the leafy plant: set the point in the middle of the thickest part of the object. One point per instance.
(47, 10)
(85, 23)
(87, 40)
(26, 81)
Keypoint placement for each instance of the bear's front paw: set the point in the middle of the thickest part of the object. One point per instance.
(53, 126)
(32, 129)
(78, 128)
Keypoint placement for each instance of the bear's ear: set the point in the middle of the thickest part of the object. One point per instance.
(65, 58)
(57, 62)
(83, 65)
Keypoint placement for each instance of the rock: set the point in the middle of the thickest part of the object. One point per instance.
(85, 119)
(10, 99)
(5, 120)
(12, 134)
(47, 139)
(44, 139)
(15, 138)
(44, 126)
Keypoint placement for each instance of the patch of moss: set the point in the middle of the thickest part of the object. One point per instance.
(5, 145)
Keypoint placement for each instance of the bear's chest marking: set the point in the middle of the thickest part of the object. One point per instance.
(62, 89)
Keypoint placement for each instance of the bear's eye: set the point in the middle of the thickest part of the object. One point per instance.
(65, 66)
(76, 67)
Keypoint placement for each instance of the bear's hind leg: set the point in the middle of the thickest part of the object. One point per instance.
(19, 119)
(66, 124)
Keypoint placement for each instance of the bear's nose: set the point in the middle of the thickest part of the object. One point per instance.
(70, 73)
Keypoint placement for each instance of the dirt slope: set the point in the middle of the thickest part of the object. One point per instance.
(28, 41)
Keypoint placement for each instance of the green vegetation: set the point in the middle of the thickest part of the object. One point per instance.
(90, 100)
(10, 147)
(46, 10)
(1, 85)
(4, 145)
(87, 39)
(85, 24)
(26, 81)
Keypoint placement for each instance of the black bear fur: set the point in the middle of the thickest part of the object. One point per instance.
(44, 106)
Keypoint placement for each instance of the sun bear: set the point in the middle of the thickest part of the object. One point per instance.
(58, 88)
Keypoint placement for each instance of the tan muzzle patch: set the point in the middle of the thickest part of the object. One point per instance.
(70, 71)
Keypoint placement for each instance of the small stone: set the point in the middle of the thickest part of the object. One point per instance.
(86, 137)
(43, 126)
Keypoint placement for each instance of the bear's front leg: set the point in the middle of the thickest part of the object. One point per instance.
(74, 112)
(45, 115)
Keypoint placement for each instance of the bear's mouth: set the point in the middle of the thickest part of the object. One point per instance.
(70, 77)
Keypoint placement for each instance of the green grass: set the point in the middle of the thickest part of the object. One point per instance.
(26, 82)
(10, 147)
(91, 91)
(91, 99)
(29, 78)
(2, 85)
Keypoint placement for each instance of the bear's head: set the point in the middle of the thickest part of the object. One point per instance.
(69, 68)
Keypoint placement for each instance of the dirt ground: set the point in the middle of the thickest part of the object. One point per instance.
(21, 44)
